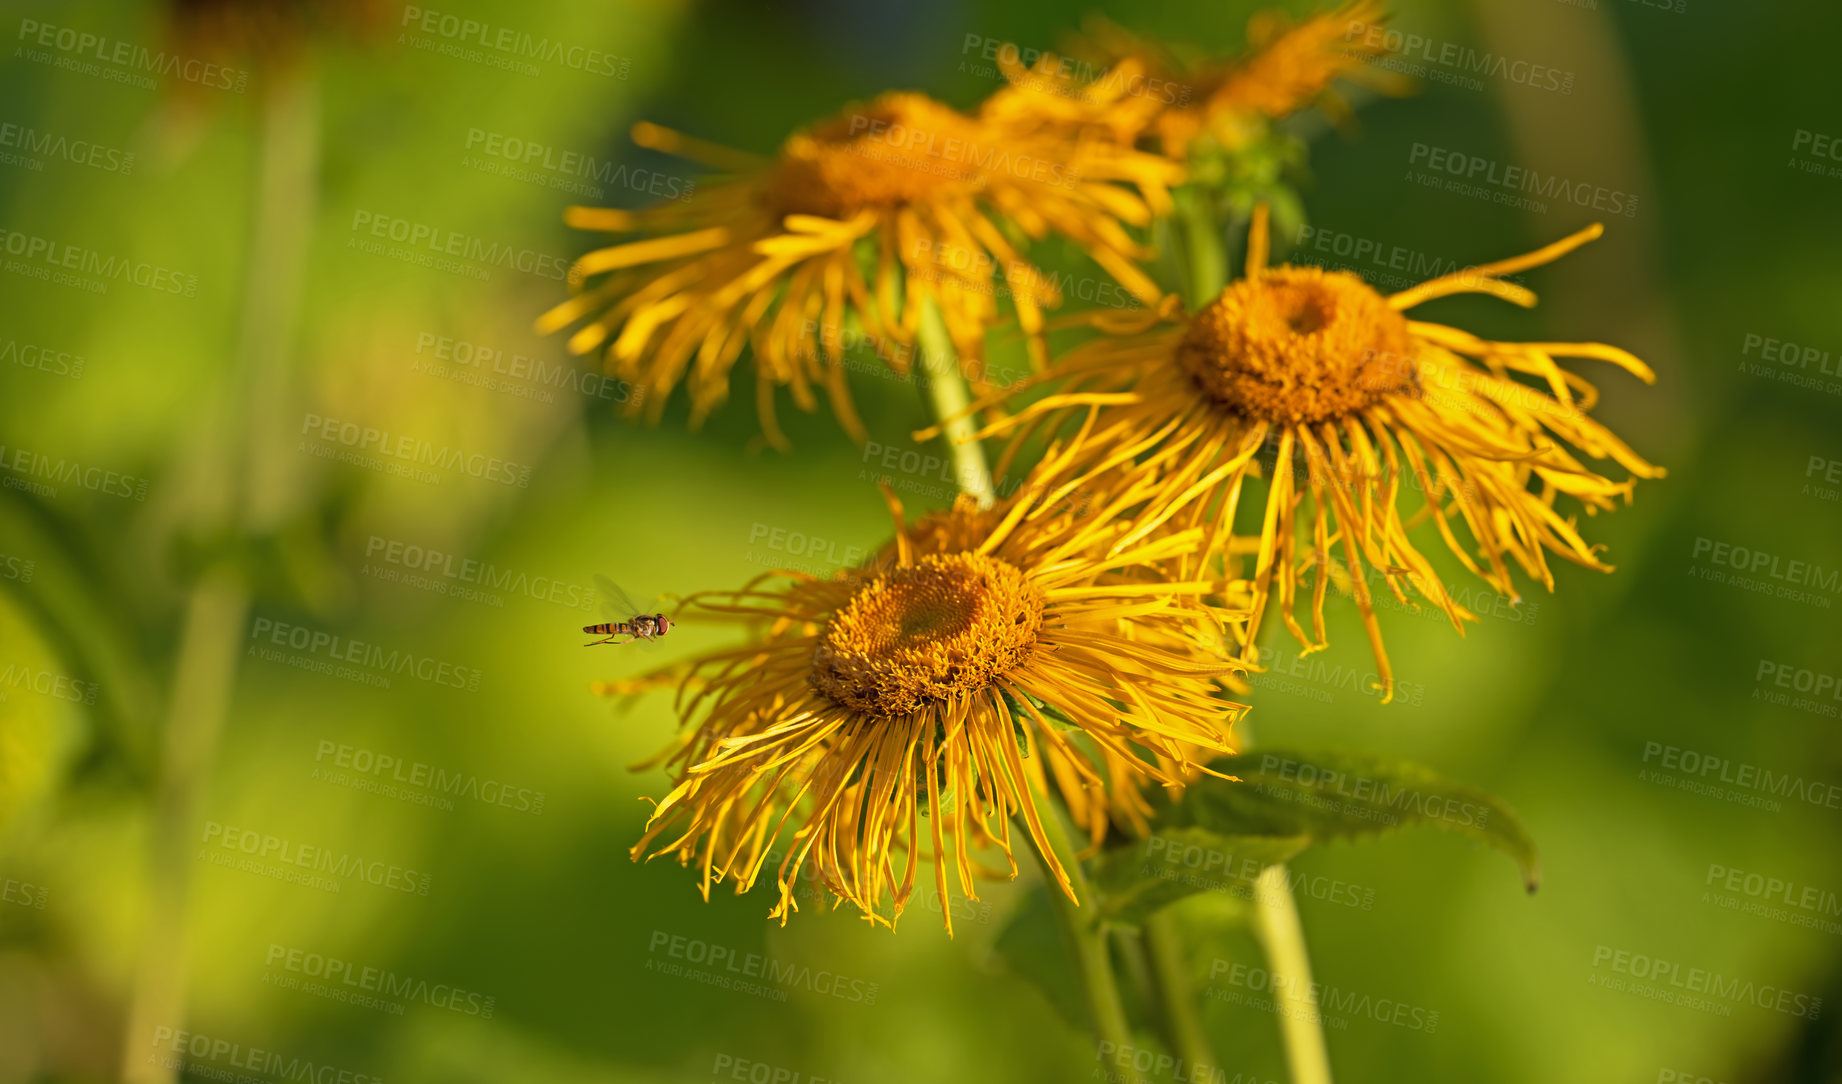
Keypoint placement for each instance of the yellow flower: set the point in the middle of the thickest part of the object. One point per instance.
(866, 217)
(1316, 372)
(1289, 66)
(916, 706)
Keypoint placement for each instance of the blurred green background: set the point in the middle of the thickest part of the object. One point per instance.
(518, 891)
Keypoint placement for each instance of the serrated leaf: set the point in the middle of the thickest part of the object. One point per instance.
(1176, 862)
(1327, 795)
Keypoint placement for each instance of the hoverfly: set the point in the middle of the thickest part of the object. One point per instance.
(624, 618)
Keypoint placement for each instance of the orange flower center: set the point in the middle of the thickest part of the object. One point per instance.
(940, 629)
(900, 149)
(1299, 345)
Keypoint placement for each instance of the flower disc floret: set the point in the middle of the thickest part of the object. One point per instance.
(1299, 345)
(936, 631)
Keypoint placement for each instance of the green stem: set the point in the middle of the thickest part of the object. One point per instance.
(1206, 262)
(947, 396)
(249, 495)
(1276, 923)
(1282, 941)
(1083, 933)
(202, 687)
(1301, 1026)
(1176, 1001)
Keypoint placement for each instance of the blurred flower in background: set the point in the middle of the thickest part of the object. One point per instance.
(870, 224)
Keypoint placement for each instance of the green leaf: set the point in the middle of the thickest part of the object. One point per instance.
(1326, 795)
(1223, 833)
(1175, 862)
(1031, 947)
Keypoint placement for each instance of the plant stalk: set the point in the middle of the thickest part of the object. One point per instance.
(1206, 257)
(1084, 935)
(1176, 1000)
(1276, 922)
(202, 688)
(1301, 1025)
(249, 496)
(945, 388)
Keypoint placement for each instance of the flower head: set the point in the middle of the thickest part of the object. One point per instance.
(1227, 102)
(923, 703)
(1326, 386)
(855, 228)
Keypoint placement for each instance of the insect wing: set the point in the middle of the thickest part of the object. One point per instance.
(617, 605)
(614, 603)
